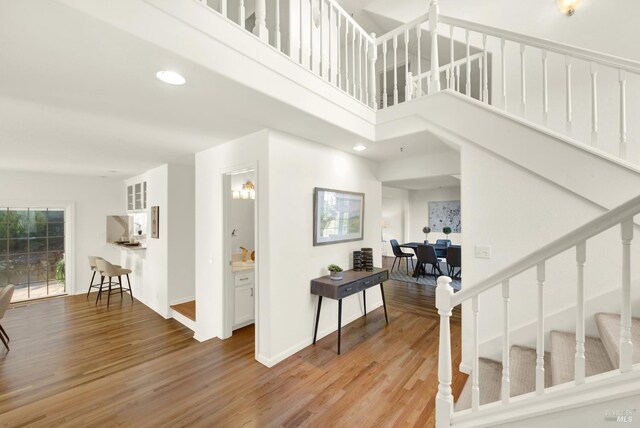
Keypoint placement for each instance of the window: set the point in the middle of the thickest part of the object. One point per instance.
(32, 250)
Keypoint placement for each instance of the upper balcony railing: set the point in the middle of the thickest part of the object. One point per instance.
(567, 89)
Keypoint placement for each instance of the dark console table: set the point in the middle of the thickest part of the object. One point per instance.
(352, 283)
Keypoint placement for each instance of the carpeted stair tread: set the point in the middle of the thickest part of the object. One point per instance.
(522, 370)
(490, 378)
(609, 328)
(563, 349)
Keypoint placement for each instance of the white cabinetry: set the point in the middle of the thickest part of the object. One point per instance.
(137, 196)
(244, 299)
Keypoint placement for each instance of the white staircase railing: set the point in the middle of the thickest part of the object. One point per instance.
(446, 300)
(398, 66)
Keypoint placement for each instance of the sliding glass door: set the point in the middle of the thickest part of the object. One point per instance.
(32, 250)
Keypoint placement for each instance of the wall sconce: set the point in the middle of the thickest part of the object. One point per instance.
(248, 191)
(568, 7)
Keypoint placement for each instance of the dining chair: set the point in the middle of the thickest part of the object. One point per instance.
(399, 254)
(112, 271)
(427, 256)
(445, 242)
(5, 298)
(454, 261)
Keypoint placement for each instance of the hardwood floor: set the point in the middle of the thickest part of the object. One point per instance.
(75, 364)
(188, 309)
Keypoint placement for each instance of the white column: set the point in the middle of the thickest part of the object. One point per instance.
(373, 58)
(580, 362)
(626, 346)
(540, 335)
(260, 28)
(475, 381)
(444, 398)
(569, 113)
(623, 113)
(435, 62)
(594, 104)
(506, 380)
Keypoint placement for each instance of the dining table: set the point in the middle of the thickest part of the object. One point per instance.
(441, 252)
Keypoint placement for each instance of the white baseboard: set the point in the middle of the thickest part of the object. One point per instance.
(183, 300)
(270, 362)
(464, 368)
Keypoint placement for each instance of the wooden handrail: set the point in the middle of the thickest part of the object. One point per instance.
(570, 240)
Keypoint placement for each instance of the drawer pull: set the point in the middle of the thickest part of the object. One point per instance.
(349, 289)
(243, 279)
(367, 282)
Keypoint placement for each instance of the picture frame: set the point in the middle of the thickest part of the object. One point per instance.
(155, 222)
(338, 216)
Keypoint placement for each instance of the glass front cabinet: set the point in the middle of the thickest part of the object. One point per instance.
(137, 197)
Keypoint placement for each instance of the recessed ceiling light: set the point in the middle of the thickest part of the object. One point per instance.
(171, 77)
(360, 147)
(112, 171)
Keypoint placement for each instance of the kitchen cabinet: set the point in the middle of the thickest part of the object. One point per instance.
(137, 196)
(244, 299)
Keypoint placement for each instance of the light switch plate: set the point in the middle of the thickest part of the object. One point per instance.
(483, 252)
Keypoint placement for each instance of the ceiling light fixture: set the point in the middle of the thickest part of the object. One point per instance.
(568, 7)
(171, 77)
(360, 148)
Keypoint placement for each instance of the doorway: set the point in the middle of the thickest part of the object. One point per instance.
(240, 232)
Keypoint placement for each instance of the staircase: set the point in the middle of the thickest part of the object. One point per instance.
(601, 356)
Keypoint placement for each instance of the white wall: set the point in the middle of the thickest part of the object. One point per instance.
(93, 199)
(395, 215)
(419, 213)
(288, 170)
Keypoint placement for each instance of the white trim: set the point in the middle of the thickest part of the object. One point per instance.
(183, 300)
(191, 325)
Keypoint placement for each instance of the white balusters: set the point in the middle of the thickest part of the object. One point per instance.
(452, 58)
(569, 112)
(506, 381)
(384, 74)
(580, 363)
(435, 62)
(241, 13)
(503, 43)
(485, 74)
(223, 7)
(372, 69)
(458, 78)
(626, 346)
(623, 113)
(346, 56)
(545, 89)
(407, 90)
(360, 66)
(480, 78)
(353, 60)
(419, 60)
(444, 398)
(311, 25)
(594, 104)
(395, 70)
(322, 65)
(338, 46)
(278, 35)
(468, 68)
(540, 333)
(366, 72)
(523, 82)
(475, 383)
(260, 28)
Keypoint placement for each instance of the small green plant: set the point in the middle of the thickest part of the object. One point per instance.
(446, 230)
(60, 271)
(334, 268)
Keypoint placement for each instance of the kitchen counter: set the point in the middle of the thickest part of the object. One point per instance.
(127, 247)
(242, 267)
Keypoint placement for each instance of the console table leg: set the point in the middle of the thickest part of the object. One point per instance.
(384, 303)
(339, 324)
(315, 332)
(364, 300)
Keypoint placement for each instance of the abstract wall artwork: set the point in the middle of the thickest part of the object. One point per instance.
(445, 213)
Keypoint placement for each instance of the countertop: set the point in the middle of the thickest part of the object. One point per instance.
(127, 247)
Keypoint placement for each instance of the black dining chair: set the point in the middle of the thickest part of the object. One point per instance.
(400, 255)
(454, 261)
(427, 256)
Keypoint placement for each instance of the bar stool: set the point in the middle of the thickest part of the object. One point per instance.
(94, 268)
(106, 269)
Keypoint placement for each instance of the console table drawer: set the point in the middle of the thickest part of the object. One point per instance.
(348, 290)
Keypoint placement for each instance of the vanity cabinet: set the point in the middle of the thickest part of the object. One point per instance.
(244, 299)
(137, 196)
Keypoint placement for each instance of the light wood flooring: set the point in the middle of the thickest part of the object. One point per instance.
(188, 309)
(74, 364)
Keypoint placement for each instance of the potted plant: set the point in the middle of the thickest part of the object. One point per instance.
(335, 272)
(426, 230)
(446, 230)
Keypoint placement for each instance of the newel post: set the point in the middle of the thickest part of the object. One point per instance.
(260, 28)
(373, 58)
(433, 29)
(444, 399)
